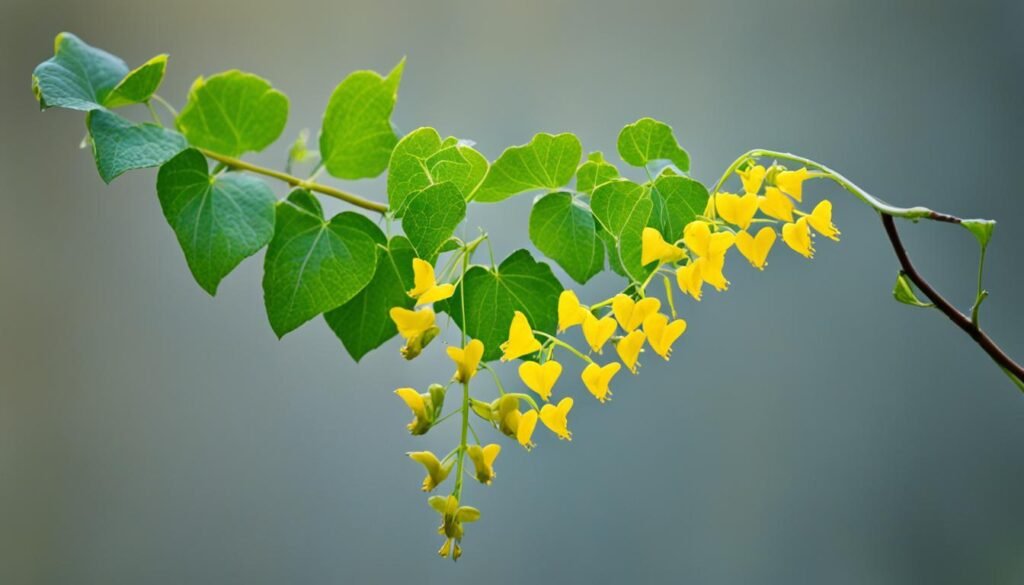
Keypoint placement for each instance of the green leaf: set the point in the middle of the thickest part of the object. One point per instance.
(520, 283)
(648, 140)
(232, 113)
(981, 228)
(119, 145)
(363, 323)
(313, 266)
(903, 291)
(683, 199)
(431, 216)
(357, 138)
(139, 85)
(594, 173)
(567, 233)
(78, 77)
(546, 162)
(421, 159)
(219, 220)
(624, 208)
(611, 245)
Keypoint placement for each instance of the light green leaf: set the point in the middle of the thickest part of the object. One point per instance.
(421, 159)
(567, 233)
(623, 208)
(611, 246)
(78, 77)
(548, 161)
(903, 291)
(357, 138)
(683, 200)
(219, 221)
(364, 323)
(520, 283)
(139, 85)
(648, 140)
(119, 145)
(981, 228)
(313, 266)
(232, 113)
(431, 216)
(594, 172)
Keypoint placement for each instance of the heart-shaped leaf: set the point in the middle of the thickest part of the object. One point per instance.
(119, 145)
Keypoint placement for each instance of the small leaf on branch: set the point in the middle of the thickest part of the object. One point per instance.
(232, 113)
(903, 291)
(648, 140)
(520, 283)
(119, 145)
(139, 85)
(219, 221)
(684, 200)
(421, 159)
(357, 138)
(312, 265)
(594, 172)
(431, 216)
(567, 233)
(78, 76)
(981, 228)
(548, 161)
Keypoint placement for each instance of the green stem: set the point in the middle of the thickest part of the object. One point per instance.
(981, 292)
(565, 345)
(466, 401)
(166, 105)
(497, 379)
(156, 116)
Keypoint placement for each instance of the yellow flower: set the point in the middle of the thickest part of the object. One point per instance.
(821, 220)
(629, 348)
(512, 423)
(466, 359)
(598, 331)
(453, 516)
(524, 430)
(737, 210)
(421, 407)
(520, 339)
(661, 334)
(698, 238)
(436, 473)
(417, 327)
(752, 178)
(798, 236)
(483, 459)
(596, 378)
(775, 204)
(570, 310)
(792, 183)
(654, 247)
(711, 270)
(540, 378)
(689, 279)
(556, 419)
(756, 248)
(426, 289)
(630, 314)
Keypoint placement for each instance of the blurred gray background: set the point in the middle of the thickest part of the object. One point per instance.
(808, 429)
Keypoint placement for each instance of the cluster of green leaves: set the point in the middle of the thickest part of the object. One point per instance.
(347, 268)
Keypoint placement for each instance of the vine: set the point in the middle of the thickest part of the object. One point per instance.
(370, 285)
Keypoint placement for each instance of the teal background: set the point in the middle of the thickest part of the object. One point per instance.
(808, 429)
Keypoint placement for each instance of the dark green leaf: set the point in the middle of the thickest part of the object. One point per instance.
(119, 145)
(431, 216)
(567, 233)
(520, 283)
(232, 113)
(219, 221)
(648, 140)
(357, 138)
(78, 77)
(313, 266)
(139, 85)
(546, 162)
(684, 199)
(594, 173)
(363, 323)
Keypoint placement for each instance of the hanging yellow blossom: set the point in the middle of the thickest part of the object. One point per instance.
(467, 360)
(520, 339)
(821, 220)
(752, 178)
(453, 516)
(417, 327)
(540, 378)
(756, 248)
(597, 378)
(420, 406)
(655, 248)
(524, 430)
(631, 314)
(597, 332)
(555, 417)
(737, 210)
(426, 289)
(698, 238)
(483, 459)
(661, 334)
(436, 472)
(629, 348)
(798, 237)
(570, 310)
(711, 270)
(776, 205)
(689, 279)
(792, 183)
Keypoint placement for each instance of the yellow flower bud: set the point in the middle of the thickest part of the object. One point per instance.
(752, 178)
(631, 314)
(689, 279)
(737, 210)
(798, 237)
(540, 378)
(436, 472)
(417, 327)
(524, 428)
(570, 311)
(792, 183)
(422, 410)
(775, 204)
(755, 248)
(629, 348)
(520, 339)
(597, 378)
(821, 220)
(467, 360)
(598, 331)
(661, 334)
(483, 459)
(654, 247)
(555, 418)
(425, 289)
